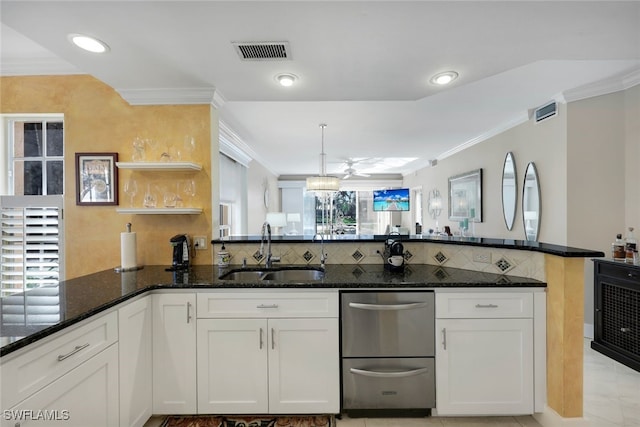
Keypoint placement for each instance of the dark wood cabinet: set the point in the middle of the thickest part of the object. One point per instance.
(617, 311)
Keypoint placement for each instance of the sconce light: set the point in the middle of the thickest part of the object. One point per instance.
(434, 204)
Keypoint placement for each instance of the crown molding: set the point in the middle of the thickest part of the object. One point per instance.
(37, 67)
(229, 146)
(519, 119)
(168, 96)
(232, 141)
(616, 83)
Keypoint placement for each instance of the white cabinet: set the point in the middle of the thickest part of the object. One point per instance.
(174, 353)
(264, 353)
(304, 368)
(85, 396)
(485, 353)
(134, 328)
(29, 371)
(232, 366)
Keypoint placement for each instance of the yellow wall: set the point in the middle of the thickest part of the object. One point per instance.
(97, 119)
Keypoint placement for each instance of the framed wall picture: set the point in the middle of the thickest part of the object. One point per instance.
(465, 196)
(96, 179)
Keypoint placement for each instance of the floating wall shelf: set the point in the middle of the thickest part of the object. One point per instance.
(160, 211)
(160, 166)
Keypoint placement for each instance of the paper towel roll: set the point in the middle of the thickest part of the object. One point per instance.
(128, 250)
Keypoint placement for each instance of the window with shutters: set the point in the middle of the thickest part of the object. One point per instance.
(32, 231)
(31, 220)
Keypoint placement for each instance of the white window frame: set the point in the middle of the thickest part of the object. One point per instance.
(7, 175)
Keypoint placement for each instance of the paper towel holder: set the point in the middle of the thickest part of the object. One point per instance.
(121, 269)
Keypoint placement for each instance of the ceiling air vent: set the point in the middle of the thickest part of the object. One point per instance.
(262, 51)
(546, 111)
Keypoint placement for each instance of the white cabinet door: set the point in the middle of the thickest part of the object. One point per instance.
(85, 396)
(174, 354)
(232, 366)
(252, 366)
(134, 325)
(484, 366)
(304, 367)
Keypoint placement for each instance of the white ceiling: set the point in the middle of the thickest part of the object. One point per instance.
(363, 66)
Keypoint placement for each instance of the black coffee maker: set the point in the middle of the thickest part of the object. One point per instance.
(393, 255)
(181, 255)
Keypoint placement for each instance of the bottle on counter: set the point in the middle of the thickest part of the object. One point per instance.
(630, 246)
(618, 252)
(223, 257)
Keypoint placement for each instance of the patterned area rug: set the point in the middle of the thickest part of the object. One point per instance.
(255, 421)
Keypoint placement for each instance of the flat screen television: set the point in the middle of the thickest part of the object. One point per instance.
(391, 200)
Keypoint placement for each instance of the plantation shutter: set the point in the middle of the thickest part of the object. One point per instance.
(31, 247)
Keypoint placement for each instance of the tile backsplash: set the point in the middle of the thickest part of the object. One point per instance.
(486, 259)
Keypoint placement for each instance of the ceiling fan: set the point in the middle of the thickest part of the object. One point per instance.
(351, 171)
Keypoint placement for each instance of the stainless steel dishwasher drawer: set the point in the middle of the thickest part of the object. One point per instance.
(388, 324)
(388, 383)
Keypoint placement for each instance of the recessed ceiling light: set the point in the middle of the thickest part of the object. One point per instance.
(88, 43)
(444, 78)
(286, 79)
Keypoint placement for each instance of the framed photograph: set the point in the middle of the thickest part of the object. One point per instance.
(96, 179)
(465, 196)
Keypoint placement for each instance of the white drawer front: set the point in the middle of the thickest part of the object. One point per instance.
(484, 305)
(29, 372)
(267, 304)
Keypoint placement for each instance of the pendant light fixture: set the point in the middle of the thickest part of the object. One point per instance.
(323, 182)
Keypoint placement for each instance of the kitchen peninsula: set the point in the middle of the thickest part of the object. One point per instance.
(88, 299)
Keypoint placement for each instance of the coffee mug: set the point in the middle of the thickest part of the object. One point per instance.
(395, 260)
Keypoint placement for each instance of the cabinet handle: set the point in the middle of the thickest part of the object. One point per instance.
(188, 312)
(77, 348)
(267, 306)
(261, 341)
(486, 306)
(444, 338)
(381, 307)
(401, 374)
(273, 338)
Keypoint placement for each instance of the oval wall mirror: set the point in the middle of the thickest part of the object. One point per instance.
(509, 190)
(531, 203)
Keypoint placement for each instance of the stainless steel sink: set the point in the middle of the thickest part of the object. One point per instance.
(294, 275)
(283, 274)
(243, 275)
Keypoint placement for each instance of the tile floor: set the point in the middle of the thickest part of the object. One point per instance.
(611, 391)
(611, 399)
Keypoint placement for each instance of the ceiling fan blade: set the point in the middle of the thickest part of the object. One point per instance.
(364, 175)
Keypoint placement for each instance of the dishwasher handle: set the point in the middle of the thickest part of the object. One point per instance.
(401, 374)
(383, 307)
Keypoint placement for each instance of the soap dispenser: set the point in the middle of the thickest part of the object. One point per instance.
(223, 257)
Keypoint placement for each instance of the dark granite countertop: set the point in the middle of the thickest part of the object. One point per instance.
(547, 248)
(77, 299)
(617, 263)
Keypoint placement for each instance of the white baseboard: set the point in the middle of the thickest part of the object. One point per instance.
(550, 418)
(588, 330)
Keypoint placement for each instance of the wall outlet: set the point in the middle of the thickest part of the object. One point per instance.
(373, 251)
(200, 243)
(484, 257)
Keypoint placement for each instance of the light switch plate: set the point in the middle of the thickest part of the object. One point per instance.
(200, 242)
